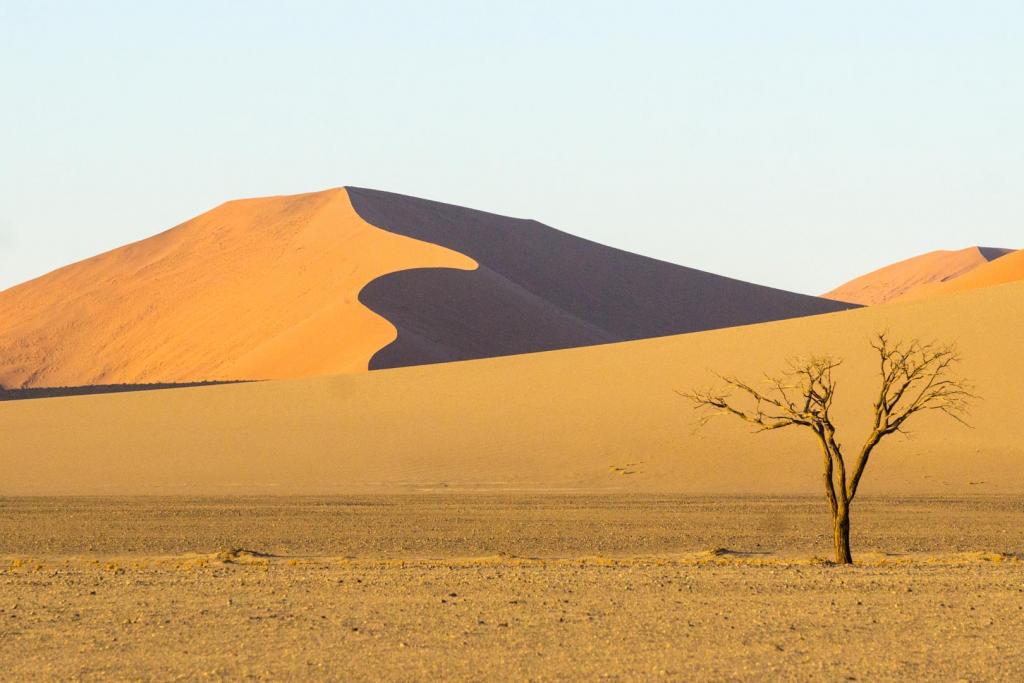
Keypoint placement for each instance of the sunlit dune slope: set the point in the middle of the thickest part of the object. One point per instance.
(1009, 268)
(601, 418)
(899, 279)
(256, 288)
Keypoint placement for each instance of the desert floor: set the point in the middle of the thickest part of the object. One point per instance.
(536, 587)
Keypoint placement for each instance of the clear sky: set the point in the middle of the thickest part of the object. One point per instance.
(795, 144)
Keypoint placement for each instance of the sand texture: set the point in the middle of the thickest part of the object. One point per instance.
(254, 289)
(603, 418)
(507, 587)
(914, 277)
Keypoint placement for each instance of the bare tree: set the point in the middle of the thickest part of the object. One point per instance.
(915, 377)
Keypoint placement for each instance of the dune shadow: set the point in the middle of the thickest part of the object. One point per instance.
(540, 289)
(85, 390)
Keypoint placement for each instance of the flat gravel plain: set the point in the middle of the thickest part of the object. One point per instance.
(508, 587)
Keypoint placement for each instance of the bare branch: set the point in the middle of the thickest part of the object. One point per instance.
(916, 377)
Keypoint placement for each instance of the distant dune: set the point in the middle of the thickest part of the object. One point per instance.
(297, 286)
(914, 276)
(600, 418)
(1008, 268)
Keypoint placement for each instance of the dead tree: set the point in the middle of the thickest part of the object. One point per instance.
(915, 377)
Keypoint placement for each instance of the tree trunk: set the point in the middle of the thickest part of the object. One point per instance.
(841, 522)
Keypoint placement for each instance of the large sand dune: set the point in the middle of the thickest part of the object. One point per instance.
(601, 418)
(914, 276)
(256, 288)
(295, 286)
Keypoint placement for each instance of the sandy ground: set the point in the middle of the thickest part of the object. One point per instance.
(508, 587)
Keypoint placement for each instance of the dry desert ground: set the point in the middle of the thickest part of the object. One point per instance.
(508, 586)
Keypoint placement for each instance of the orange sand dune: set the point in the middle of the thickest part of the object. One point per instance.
(600, 418)
(256, 288)
(898, 279)
(1009, 268)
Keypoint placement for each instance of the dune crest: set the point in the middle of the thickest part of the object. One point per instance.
(904, 277)
(253, 289)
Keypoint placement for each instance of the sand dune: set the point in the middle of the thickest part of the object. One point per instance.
(256, 288)
(1009, 268)
(905, 277)
(539, 289)
(296, 286)
(601, 418)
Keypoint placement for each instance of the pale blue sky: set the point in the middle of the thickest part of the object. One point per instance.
(794, 144)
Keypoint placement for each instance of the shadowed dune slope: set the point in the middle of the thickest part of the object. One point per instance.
(255, 288)
(85, 390)
(905, 277)
(600, 418)
(1008, 268)
(538, 289)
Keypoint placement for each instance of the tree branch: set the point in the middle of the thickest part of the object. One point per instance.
(916, 377)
